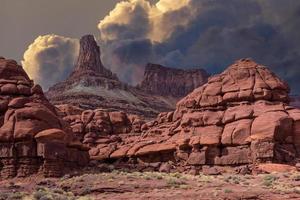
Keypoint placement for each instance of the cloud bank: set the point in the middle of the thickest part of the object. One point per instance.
(50, 59)
(207, 33)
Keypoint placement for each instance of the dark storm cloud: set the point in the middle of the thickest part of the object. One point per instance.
(207, 33)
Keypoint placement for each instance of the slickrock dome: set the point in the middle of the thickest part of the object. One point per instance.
(32, 136)
(239, 117)
(243, 81)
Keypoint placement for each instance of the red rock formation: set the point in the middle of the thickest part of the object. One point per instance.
(32, 136)
(97, 126)
(93, 86)
(167, 81)
(240, 117)
(89, 59)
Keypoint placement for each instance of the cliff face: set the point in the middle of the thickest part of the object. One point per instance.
(167, 81)
(89, 59)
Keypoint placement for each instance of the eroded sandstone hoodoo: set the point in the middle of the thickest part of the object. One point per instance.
(32, 136)
(240, 117)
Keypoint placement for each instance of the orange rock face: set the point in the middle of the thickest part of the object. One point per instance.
(31, 127)
(240, 117)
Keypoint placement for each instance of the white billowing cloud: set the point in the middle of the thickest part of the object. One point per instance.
(50, 59)
(170, 5)
(133, 13)
(139, 19)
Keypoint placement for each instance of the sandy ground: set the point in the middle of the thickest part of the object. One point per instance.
(154, 185)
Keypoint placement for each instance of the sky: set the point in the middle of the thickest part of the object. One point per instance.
(22, 21)
(43, 35)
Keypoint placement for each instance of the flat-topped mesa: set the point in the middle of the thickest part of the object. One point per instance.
(245, 80)
(168, 81)
(32, 136)
(89, 60)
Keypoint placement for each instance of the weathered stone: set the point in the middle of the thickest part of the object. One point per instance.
(48, 135)
(210, 135)
(272, 126)
(237, 133)
(197, 158)
(155, 148)
(234, 156)
(262, 150)
(120, 122)
(31, 130)
(7, 150)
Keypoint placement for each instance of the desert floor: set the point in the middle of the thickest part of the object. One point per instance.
(153, 185)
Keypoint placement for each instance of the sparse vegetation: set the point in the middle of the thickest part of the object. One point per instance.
(118, 183)
(205, 179)
(12, 195)
(269, 179)
(43, 193)
(232, 179)
(228, 190)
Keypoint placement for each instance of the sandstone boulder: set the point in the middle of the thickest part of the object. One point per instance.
(32, 135)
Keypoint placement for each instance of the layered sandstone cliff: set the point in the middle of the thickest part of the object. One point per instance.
(167, 81)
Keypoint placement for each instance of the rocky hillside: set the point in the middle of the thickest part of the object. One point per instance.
(92, 86)
(167, 81)
(241, 117)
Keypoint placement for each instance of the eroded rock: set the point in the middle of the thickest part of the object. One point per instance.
(33, 137)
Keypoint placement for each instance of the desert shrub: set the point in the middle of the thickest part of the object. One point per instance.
(228, 190)
(12, 196)
(232, 179)
(174, 182)
(268, 180)
(55, 194)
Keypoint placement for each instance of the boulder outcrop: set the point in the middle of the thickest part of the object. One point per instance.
(165, 81)
(33, 138)
(98, 128)
(240, 117)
